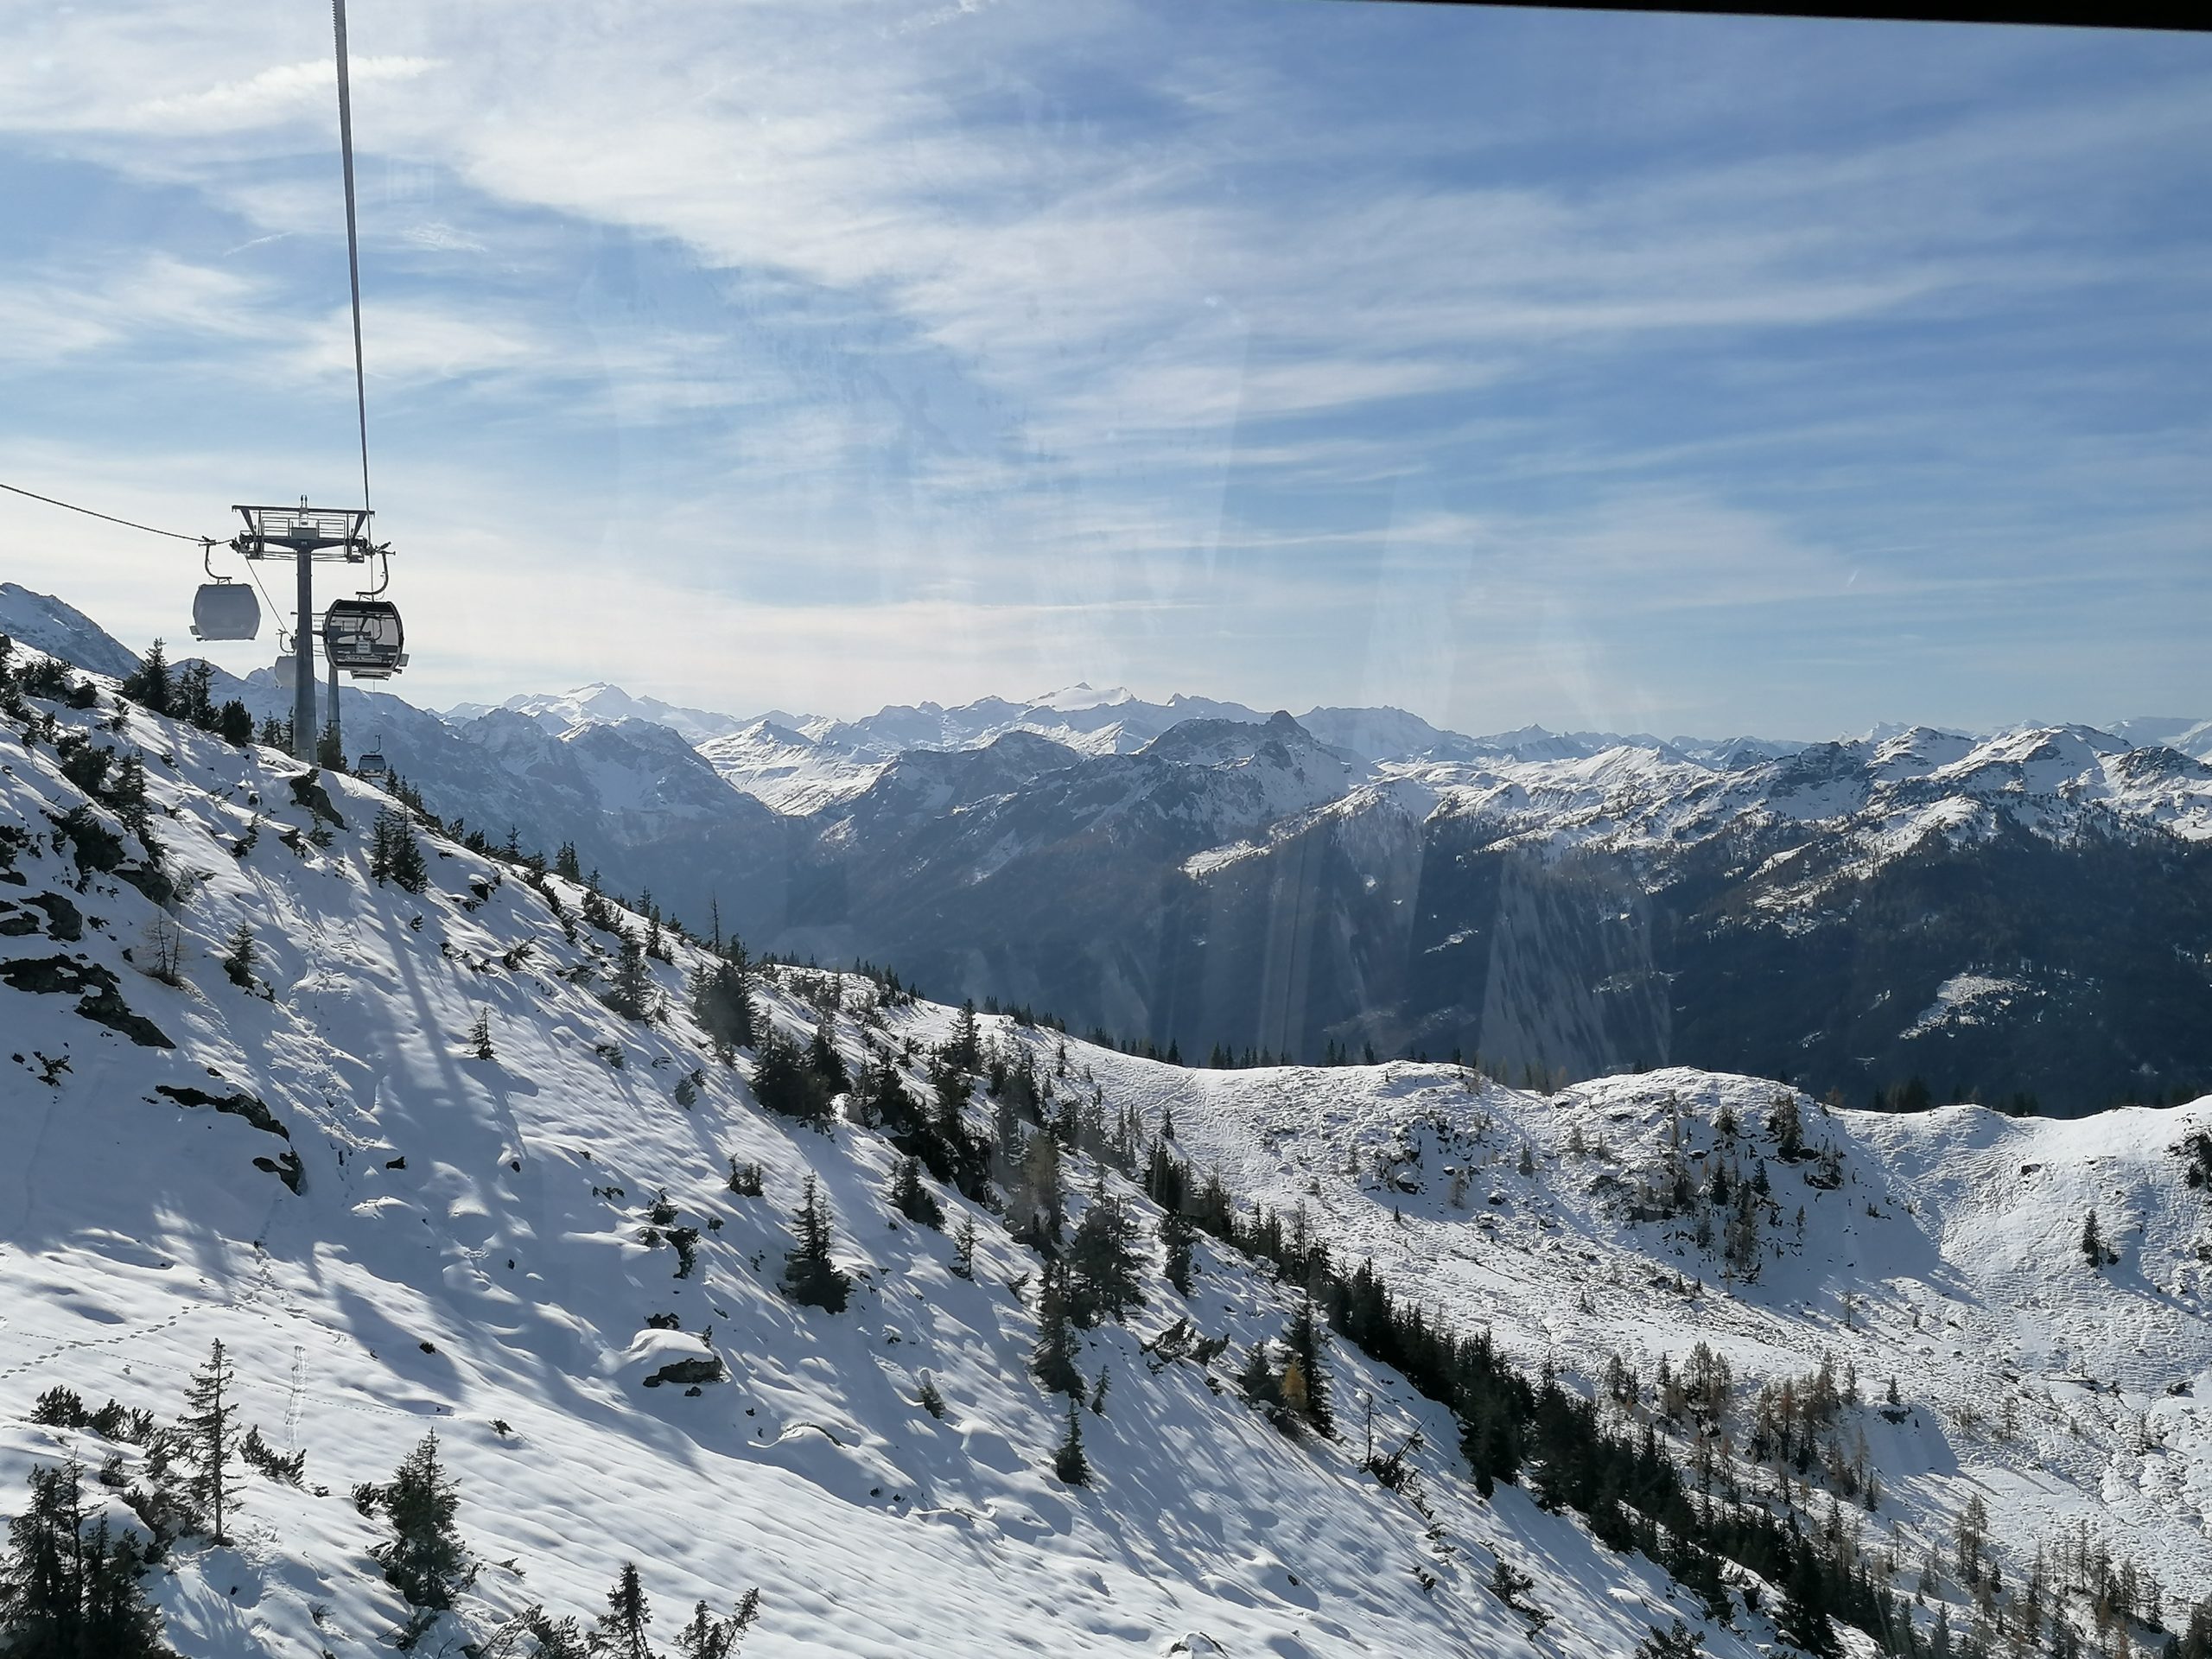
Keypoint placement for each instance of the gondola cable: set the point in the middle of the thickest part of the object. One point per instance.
(352, 236)
(128, 524)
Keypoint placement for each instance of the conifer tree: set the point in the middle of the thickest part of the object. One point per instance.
(963, 1249)
(480, 1036)
(66, 1593)
(1068, 1460)
(621, 1630)
(1676, 1642)
(708, 1637)
(827, 1065)
(424, 1559)
(783, 1083)
(209, 1432)
(1176, 1237)
(811, 1277)
(565, 865)
(964, 1053)
(118, 1623)
(1802, 1619)
(911, 1198)
(2092, 1244)
(1257, 1380)
(234, 723)
(328, 752)
(1053, 1360)
(1305, 1340)
(192, 698)
(150, 685)
(723, 1006)
(237, 957)
(1101, 1263)
(632, 994)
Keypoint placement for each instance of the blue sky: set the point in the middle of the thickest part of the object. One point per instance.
(1646, 373)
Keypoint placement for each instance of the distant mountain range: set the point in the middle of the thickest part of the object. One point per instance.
(2021, 913)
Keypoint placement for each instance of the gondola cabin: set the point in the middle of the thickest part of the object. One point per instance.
(225, 610)
(364, 637)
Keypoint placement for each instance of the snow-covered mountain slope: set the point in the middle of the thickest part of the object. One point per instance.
(783, 769)
(59, 629)
(1941, 1251)
(311, 1159)
(392, 1233)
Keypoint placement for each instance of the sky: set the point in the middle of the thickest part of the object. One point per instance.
(1639, 372)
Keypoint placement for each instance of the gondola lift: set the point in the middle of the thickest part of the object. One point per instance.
(373, 765)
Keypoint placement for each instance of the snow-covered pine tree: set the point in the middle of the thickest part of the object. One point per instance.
(811, 1277)
(722, 1006)
(424, 1559)
(208, 1433)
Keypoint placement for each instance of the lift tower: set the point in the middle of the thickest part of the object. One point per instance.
(305, 535)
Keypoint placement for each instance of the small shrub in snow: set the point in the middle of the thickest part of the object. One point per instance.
(744, 1179)
(686, 1241)
(275, 1464)
(59, 1408)
(1676, 1642)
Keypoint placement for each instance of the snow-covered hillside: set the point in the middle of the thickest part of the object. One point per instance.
(301, 1153)
(1938, 1252)
(306, 1152)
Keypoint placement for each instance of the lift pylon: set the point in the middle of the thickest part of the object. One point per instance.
(306, 535)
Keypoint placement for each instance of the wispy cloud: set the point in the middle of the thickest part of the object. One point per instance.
(1338, 321)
